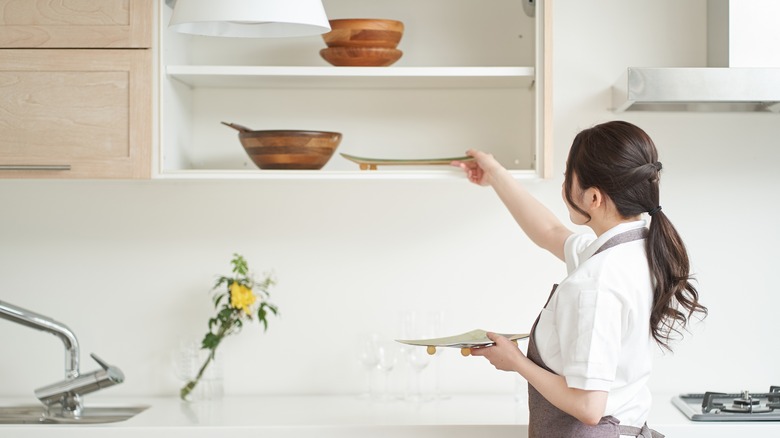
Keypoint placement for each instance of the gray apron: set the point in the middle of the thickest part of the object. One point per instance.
(546, 420)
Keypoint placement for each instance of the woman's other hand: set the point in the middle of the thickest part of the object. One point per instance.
(504, 354)
(481, 170)
(586, 406)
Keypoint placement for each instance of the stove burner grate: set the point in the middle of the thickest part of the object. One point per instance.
(719, 406)
(744, 403)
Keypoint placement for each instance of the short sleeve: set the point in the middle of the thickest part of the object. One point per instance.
(589, 323)
(573, 247)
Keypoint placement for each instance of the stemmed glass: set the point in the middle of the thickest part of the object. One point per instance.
(436, 326)
(416, 327)
(368, 356)
(387, 359)
(418, 359)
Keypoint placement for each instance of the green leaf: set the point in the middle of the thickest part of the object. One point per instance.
(211, 341)
(240, 266)
(225, 314)
(220, 282)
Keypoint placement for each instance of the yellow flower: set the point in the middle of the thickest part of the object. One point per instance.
(241, 297)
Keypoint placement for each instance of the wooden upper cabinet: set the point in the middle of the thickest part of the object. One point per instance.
(76, 113)
(76, 88)
(75, 23)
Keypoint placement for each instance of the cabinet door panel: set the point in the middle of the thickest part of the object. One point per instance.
(75, 23)
(87, 109)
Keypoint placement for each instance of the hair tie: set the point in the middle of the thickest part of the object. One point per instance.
(653, 211)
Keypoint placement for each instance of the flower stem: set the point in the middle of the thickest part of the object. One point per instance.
(187, 389)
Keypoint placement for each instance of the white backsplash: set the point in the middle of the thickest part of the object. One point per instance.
(128, 265)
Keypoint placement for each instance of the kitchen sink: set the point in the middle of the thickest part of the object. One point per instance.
(36, 414)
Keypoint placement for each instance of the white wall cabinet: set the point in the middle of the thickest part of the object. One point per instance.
(473, 75)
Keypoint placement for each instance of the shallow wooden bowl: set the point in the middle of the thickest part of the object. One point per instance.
(361, 56)
(289, 149)
(364, 32)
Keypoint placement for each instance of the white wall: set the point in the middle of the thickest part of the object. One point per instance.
(128, 265)
(719, 182)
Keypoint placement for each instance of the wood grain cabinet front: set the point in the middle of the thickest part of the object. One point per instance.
(75, 113)
(76, 88)
(76, 23)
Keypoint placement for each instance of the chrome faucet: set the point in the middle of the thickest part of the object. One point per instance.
(64, 398)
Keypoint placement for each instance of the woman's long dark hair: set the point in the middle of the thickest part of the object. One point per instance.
(621, 160)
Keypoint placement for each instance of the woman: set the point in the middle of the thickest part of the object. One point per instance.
(628, 287)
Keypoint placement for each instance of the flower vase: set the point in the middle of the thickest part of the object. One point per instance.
(194, 361)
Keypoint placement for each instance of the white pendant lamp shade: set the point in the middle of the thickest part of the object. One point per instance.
(249, 18)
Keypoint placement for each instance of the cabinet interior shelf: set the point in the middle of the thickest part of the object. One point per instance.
(219, 76)
(447, 174)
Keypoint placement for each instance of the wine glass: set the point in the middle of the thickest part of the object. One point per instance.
(367, 355)
(418, 359)
(416, 327)
(436, 326)
(387, 358)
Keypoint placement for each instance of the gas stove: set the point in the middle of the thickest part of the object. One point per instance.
(721, 406)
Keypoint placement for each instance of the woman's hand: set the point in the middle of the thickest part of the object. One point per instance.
(504, 355)
(481, 170)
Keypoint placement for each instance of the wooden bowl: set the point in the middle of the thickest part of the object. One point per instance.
(361, 56)
(289, 149)
(364, 32)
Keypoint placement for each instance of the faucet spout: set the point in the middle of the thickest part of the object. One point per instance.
(67, 394)
(37, 321)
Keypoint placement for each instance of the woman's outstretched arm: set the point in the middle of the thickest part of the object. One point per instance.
(536, 220)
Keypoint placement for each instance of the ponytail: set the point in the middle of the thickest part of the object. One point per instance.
(675, 298)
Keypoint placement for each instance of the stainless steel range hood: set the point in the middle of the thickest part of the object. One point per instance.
(743, 73)
(698, 89)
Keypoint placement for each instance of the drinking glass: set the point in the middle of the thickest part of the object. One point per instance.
(368, 357)
(416, 326)
(387, 357)
(436, 326)
(187, 360)
(418, 359)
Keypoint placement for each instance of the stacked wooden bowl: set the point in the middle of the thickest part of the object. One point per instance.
(363, 42)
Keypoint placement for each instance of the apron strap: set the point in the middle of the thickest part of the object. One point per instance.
(643, 432)
(624, 237)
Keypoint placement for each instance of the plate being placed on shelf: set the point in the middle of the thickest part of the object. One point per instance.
(371, 163)
(465, 341)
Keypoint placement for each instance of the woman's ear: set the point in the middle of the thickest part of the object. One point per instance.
(593, 199)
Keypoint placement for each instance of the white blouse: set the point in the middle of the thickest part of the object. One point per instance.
(595, 331)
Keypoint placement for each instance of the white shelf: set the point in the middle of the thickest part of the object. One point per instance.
(221, 76)
(380, 174)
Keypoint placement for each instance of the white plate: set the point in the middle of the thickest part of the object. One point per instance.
(472, 339)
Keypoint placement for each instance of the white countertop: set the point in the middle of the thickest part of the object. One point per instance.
(345, 416)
